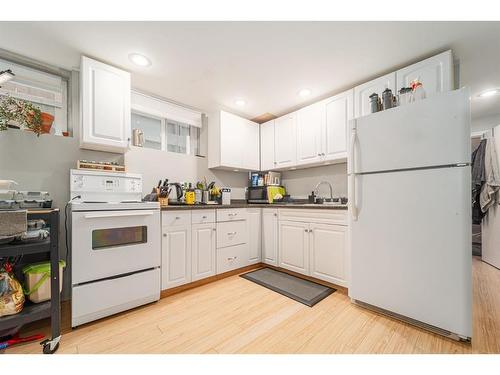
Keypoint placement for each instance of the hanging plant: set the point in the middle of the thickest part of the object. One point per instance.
(20, 112)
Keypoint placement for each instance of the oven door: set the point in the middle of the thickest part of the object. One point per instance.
(111, 243)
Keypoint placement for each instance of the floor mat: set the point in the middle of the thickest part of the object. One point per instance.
(304, 291)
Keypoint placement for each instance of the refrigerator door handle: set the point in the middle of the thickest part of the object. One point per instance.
(352, 175)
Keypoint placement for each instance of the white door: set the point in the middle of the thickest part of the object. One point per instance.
(267, 160)
(285, 141)
(435, 73)
(249, 145)
(203, 251)
(231, 129)
(411, 245)
(254, 235)
(294, 246)
(431, 132)
(362, 93)
(328, 253)
(176, 256)
(105, 98)
(270, 236)
(310, 124)
(339, 111)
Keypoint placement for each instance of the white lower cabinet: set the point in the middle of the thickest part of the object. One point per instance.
(175, 256)
(327, 252)
(314, 243)
(203, 251)
(270, 236)
(294, 246)
(254, 235)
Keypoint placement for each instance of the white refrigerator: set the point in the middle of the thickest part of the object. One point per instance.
(410, 213)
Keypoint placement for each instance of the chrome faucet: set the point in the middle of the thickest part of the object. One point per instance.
(316, 189)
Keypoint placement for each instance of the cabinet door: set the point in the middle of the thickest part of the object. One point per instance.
(339, 111)
(362, 93)
(270, 236)
(285, 141)
(231, 129)
(203, 251)
(249, 145)
(254, 235)
(294, 246)
(105, 98)
(176, 256)
(310, 124)
(267, 160)
(435, 73)
(328, 252)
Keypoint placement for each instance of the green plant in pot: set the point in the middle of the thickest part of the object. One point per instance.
(20, 113)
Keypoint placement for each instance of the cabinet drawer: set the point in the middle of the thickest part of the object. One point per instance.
(232, 233)
(231, 214)
(231, 258)
(176, 218)
(322, 216)
(203, 216)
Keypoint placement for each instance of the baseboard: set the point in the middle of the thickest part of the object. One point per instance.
(208, 280)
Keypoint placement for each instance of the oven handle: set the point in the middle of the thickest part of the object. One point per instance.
(123, 214)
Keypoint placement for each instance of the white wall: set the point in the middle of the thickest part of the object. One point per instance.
(299, 183)
(485, 123)
(155, 165)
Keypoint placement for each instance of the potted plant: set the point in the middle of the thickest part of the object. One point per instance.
(19, 113)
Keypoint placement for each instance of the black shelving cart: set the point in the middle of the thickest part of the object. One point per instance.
(49, 309)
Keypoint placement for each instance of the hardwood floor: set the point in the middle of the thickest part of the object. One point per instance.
(234, 315)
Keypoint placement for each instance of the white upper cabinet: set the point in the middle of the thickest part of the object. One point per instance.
(285, 141)
(339, 111)
(233, 142)
(310, 125)
(435, 73)
(105, 102)
(267, 159)
(362, 93)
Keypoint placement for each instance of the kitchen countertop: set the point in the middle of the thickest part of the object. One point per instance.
(244, 204)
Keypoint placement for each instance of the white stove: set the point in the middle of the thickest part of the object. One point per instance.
(115, 245)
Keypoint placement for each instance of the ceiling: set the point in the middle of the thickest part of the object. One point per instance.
(208, 65)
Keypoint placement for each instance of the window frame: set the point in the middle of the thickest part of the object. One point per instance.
(72, 95)
(146, 112)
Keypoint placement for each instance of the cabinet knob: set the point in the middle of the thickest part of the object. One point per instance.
(177, 217)
(203, 217)
(306, 230)
(275, 214)
(164, 235)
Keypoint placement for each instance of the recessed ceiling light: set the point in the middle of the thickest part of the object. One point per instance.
(240, 102)
(487, 93)
(304, 92)
(139, 59)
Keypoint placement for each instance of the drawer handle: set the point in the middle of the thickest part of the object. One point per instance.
(231, 233)
(232, 214)
(232, 258)
(203, 217)
(177, 217)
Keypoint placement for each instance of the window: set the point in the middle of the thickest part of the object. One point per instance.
(48, 91)
(151, 128)
(183, 138)
(166, 126)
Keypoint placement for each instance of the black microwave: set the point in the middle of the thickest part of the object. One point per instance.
(264, 194)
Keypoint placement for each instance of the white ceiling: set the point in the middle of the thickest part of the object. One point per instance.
(208, 65)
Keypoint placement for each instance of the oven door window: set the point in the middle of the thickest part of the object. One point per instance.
(113, 237)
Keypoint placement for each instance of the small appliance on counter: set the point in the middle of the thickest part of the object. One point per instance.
(11, 199)
(265, 194)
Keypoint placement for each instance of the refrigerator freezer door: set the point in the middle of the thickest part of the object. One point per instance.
(431, 132)
(411, 245)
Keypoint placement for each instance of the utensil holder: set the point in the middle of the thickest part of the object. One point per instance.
(163, 202)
